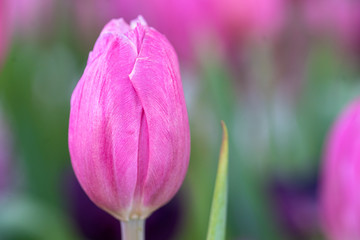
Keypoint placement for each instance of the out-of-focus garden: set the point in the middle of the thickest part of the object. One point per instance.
(278, 72)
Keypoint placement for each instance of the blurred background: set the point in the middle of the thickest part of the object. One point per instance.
(277, 71)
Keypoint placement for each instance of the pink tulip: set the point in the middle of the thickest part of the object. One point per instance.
(340, 196)
(129, 136)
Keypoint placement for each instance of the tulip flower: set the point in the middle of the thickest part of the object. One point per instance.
(129, 137)
(340, 195)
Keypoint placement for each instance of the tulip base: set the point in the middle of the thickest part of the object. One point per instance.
(133, 229)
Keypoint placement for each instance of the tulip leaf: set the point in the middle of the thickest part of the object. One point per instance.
(217, 222)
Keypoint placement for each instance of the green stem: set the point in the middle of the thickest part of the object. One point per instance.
(133, 229)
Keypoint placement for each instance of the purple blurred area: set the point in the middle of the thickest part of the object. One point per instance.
(95, 224)
(297, 206)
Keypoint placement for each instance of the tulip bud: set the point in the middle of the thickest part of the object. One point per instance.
(340, 195)
(129, 137)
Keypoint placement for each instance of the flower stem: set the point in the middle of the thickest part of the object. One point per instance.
(133, 229)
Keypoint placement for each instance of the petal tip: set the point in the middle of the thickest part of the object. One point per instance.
(140, 20)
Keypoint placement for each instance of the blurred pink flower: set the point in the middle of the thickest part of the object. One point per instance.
(190, 24)
(129, 136)
(24, 17)
(5, 28)
(27, 17)
(182, 22)
(185, 23)
(244, 19)
(340, 195)
(341, 18)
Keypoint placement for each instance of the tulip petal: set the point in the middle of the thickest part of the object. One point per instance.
(105, 116)
(157, 82)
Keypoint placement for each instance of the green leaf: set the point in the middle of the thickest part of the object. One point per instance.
(217, 222)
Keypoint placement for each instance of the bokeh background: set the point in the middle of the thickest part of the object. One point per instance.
(277, 71)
